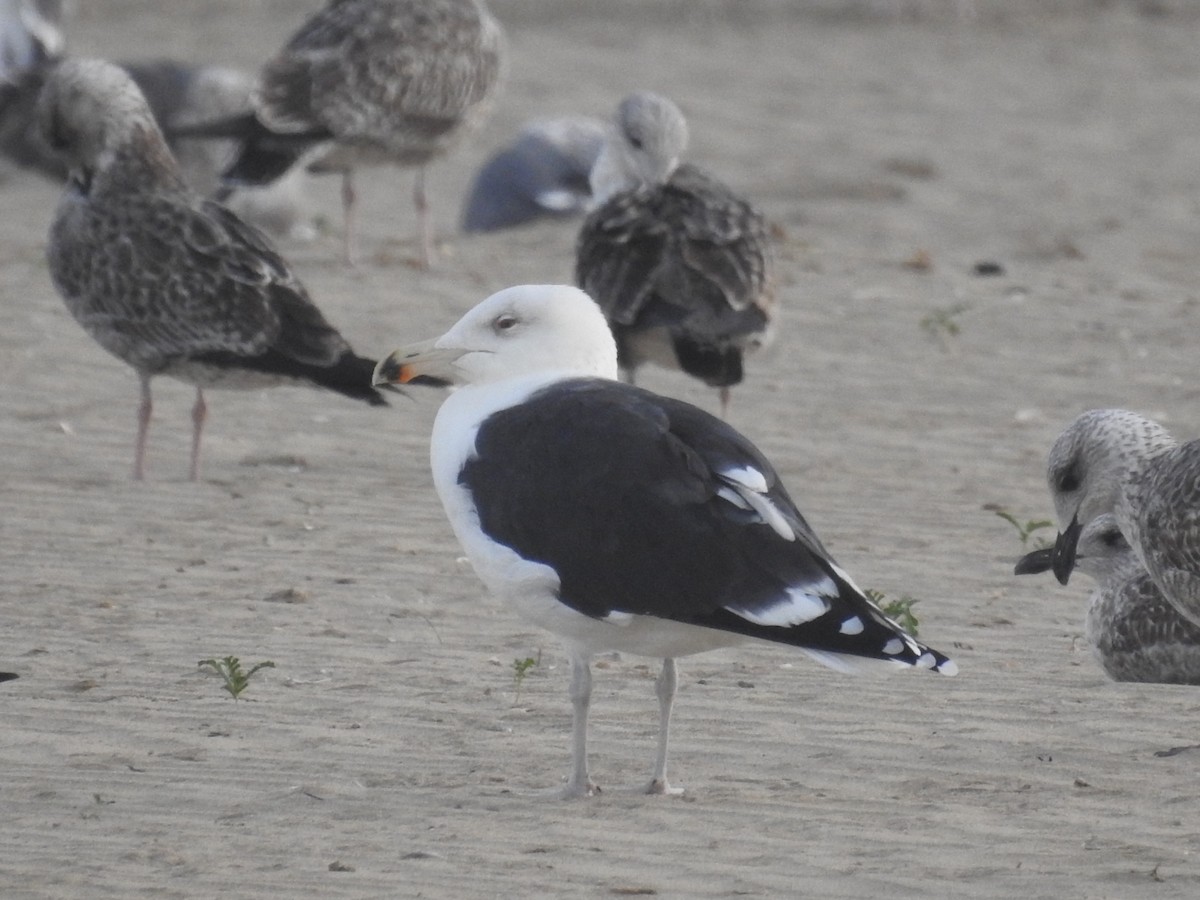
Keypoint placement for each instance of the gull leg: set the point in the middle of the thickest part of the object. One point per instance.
(580, 784)
(665, 688)
(348, 199)
(145, 408)
(424, 225)
(199, 414)
(723, 392)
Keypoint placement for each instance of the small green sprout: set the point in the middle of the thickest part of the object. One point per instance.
(1025, 529)
(942, 323)
(898, 610)
(230, 669)
(521, 668)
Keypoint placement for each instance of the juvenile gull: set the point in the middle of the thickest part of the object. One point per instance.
(32, 44)
(680, 265)
(622, 520)
(1113, 460)
(166, 281)
(1135, 633)
(1093, 459)
(370, 82)
(543, 173)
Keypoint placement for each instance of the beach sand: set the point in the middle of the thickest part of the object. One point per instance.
(389, 753)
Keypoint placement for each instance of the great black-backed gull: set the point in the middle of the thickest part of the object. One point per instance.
(1113, 460)
(31, 44)
(620, 519)
(166, 281)
(1134, 632)
(681, 265)
(371, 82)
(543, 173)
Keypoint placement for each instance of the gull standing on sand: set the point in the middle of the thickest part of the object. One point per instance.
(622, 520)
(1135, 633)
(680, 264)
(166, 281)
(370, 82)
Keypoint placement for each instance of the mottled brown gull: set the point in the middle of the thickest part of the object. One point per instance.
(31, 45)
(163, 279)
(680, 264)
(1135, 634)
(1113, 460)
(370, 82)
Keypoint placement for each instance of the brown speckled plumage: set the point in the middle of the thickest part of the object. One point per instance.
(165, 280)
(32, 43)
(1118, 465)
(1134, 632)
(399, 76)
(373, 82)
(1161, 504)
(680, 264)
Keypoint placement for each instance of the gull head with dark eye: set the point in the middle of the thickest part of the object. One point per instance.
(1068, 479)
(1113, 539)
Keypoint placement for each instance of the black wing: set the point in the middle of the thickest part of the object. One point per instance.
(646, 505)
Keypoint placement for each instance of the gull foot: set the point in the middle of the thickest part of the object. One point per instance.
(661, 786)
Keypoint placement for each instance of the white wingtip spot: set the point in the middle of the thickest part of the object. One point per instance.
(894, 646)
(949, 667)
(925, 661)
(853, 625)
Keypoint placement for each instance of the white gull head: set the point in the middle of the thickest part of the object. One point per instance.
(519, 331)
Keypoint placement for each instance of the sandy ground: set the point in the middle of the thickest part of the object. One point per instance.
(388, 754)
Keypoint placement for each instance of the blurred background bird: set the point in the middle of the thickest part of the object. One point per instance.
(368, 82)
(681, 265)
(33, 41)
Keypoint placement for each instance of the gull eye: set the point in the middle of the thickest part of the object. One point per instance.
(1112, 538)
(504, 322)
(1068, 481)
